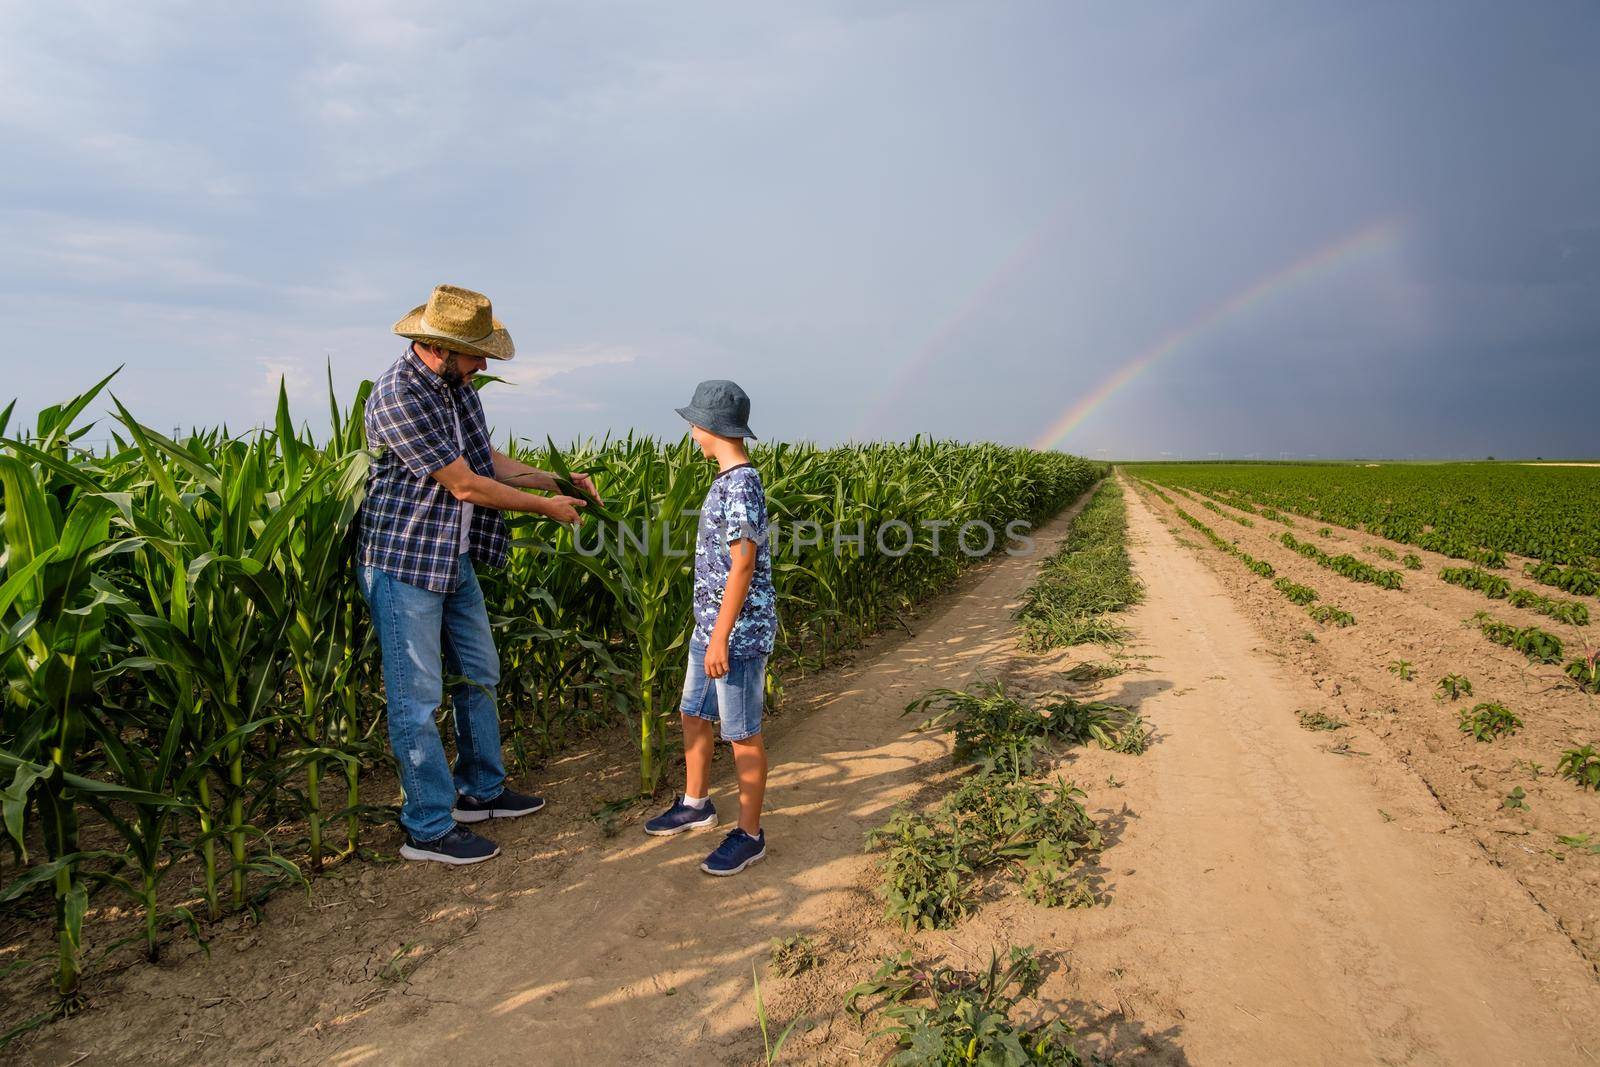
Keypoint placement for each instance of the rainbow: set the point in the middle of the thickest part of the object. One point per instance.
(1352, 246)
(1020, 258)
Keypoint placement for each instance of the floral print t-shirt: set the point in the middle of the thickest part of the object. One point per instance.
(735, 507)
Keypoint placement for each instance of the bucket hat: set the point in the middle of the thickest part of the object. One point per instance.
(460, 320)
(721, 407)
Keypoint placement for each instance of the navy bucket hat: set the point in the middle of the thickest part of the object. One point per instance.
(721, 407)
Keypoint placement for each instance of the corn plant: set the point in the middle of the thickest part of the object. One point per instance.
(219, 611)
(55, 604)
(648, 575)
(771, 1048)
(327, 635)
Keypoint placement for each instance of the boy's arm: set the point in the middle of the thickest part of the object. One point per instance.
(742, 554)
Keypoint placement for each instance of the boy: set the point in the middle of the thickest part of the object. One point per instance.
(735, 620)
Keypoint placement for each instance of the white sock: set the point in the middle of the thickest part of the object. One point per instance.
(695, 802)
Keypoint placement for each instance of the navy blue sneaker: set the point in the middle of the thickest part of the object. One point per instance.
(681, 817)
(508, 805)
(737, 851)
(458, 847)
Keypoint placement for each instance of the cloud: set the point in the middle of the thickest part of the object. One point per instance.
(76, 79)
(98, 251)
(793, 196)
(405, 89)
(527, 387)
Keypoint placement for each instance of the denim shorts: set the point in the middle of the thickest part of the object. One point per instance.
(734, 700)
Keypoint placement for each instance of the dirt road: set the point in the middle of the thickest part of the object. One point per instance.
(638, 956)
(1288, 904)
(1271, 901)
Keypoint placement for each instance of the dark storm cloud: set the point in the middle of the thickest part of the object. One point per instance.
(888, 218)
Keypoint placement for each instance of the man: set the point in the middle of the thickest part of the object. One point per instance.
(431, 513)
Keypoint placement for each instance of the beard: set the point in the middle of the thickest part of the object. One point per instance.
(451, 371)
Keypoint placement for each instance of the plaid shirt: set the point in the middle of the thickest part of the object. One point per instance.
(410, 524)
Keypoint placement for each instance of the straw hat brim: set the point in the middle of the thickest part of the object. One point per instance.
(497, 345)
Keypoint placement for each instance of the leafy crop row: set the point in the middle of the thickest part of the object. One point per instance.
(1303, 595)
(1568, 611)
(1258, 566)
(1346, 565)
(1490, 585)
(1230, 516)
(1580, 581)
(1538, 645)
(1472, 511)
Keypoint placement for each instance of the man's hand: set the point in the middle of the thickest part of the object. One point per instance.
(717, 657)
(564, 509)
(586, 483)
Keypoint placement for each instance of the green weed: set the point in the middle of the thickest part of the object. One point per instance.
(1328, 613)
(1583, 842)
(1296, 593)
(1087, 580)
(1093, 672)
(944, 1016)
(990, 826)
(1581, 765)
(793, 955)
(1488, 721)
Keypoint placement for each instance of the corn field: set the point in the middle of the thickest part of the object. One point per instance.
(189, 666)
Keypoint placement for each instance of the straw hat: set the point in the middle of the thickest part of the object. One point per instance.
(460, 320)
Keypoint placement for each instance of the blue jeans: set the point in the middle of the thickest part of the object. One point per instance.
(420, 632)
(735, 700)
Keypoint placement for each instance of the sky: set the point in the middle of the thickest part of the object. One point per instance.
(1132, 230)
